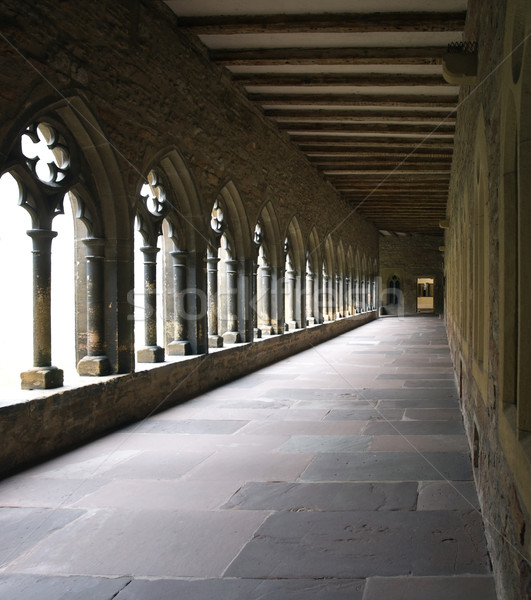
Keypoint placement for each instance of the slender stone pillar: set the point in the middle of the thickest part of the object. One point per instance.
(95, 363)
(43, 375)
(339, 297)
(324, 298)
(232, 335)
(310, 303)
(332, 300)
(291, 322)
(214, 339)
(179, 346)
(151, 353)
(257, 332)
(347, 297)
(265, 301)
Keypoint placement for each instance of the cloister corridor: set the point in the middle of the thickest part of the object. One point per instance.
(340, 473)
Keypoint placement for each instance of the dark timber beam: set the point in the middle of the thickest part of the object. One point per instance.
(380, 166)
(353, 138)
(422, 55)
(324, 23)
(405, 100)
(359, 149)
(337, 79)
(287, 115)
(359, 127)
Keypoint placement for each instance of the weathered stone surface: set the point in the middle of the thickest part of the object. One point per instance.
(244, 589)
(40, 587)
(363, 544)
(389, 466)
(467, 587)
(325, 497)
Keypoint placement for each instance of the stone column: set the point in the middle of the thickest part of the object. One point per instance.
(324, 298)
(291, 323)
(95, 363)
(339, 297)
(332, 300)
(151, 353)
(347, 296)
(179, 346)
(265, 298)
(310, 304)
(232, 335)
(257, 332)
(214, 339)
(43, 375)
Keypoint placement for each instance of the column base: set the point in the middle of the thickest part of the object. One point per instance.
(179, 348)
(232, 337)
(41, 378)
(291, 325)
(268, 330)
(257, 332)
(310, 321)
(150, 354)
(215, 341)
(94, 366)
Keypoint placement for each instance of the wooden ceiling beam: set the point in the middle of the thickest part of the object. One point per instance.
(411, 141)
(405, 100)
(324, 23)
(288, 115)
(376, 150)
(338, 79)
(420, 55)
(369, 127)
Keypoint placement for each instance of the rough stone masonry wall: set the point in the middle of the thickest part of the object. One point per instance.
(151, 87)
(409, 257)
(503, 503)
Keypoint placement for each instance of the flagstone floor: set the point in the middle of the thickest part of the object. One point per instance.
(342, 473)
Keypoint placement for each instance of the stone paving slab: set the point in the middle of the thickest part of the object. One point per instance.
(365, 414)
(159, 495)
(426, 402)
(433, 414)
(189, 426)
(413, 428)
(23, 528)
(364, 544)
(326, 443)
(419, 443)
(389, 466)
(235, 465)
(36, 587)
(244, 589)
(43, 492)
(144, 543)
(430, 588)
(325, 497)
(410, 394)
(447, 495)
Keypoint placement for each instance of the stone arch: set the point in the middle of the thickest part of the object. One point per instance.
(102, 240)
(329, 297)
(295, 276)
(267, 271)
(314, 278)
(237, 221)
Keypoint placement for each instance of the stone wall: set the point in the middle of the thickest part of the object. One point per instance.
(486, 276)
(410, 257)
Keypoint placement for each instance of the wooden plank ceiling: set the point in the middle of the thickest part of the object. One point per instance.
(358, 87)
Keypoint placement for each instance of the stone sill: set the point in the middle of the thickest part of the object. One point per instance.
(39, 424)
